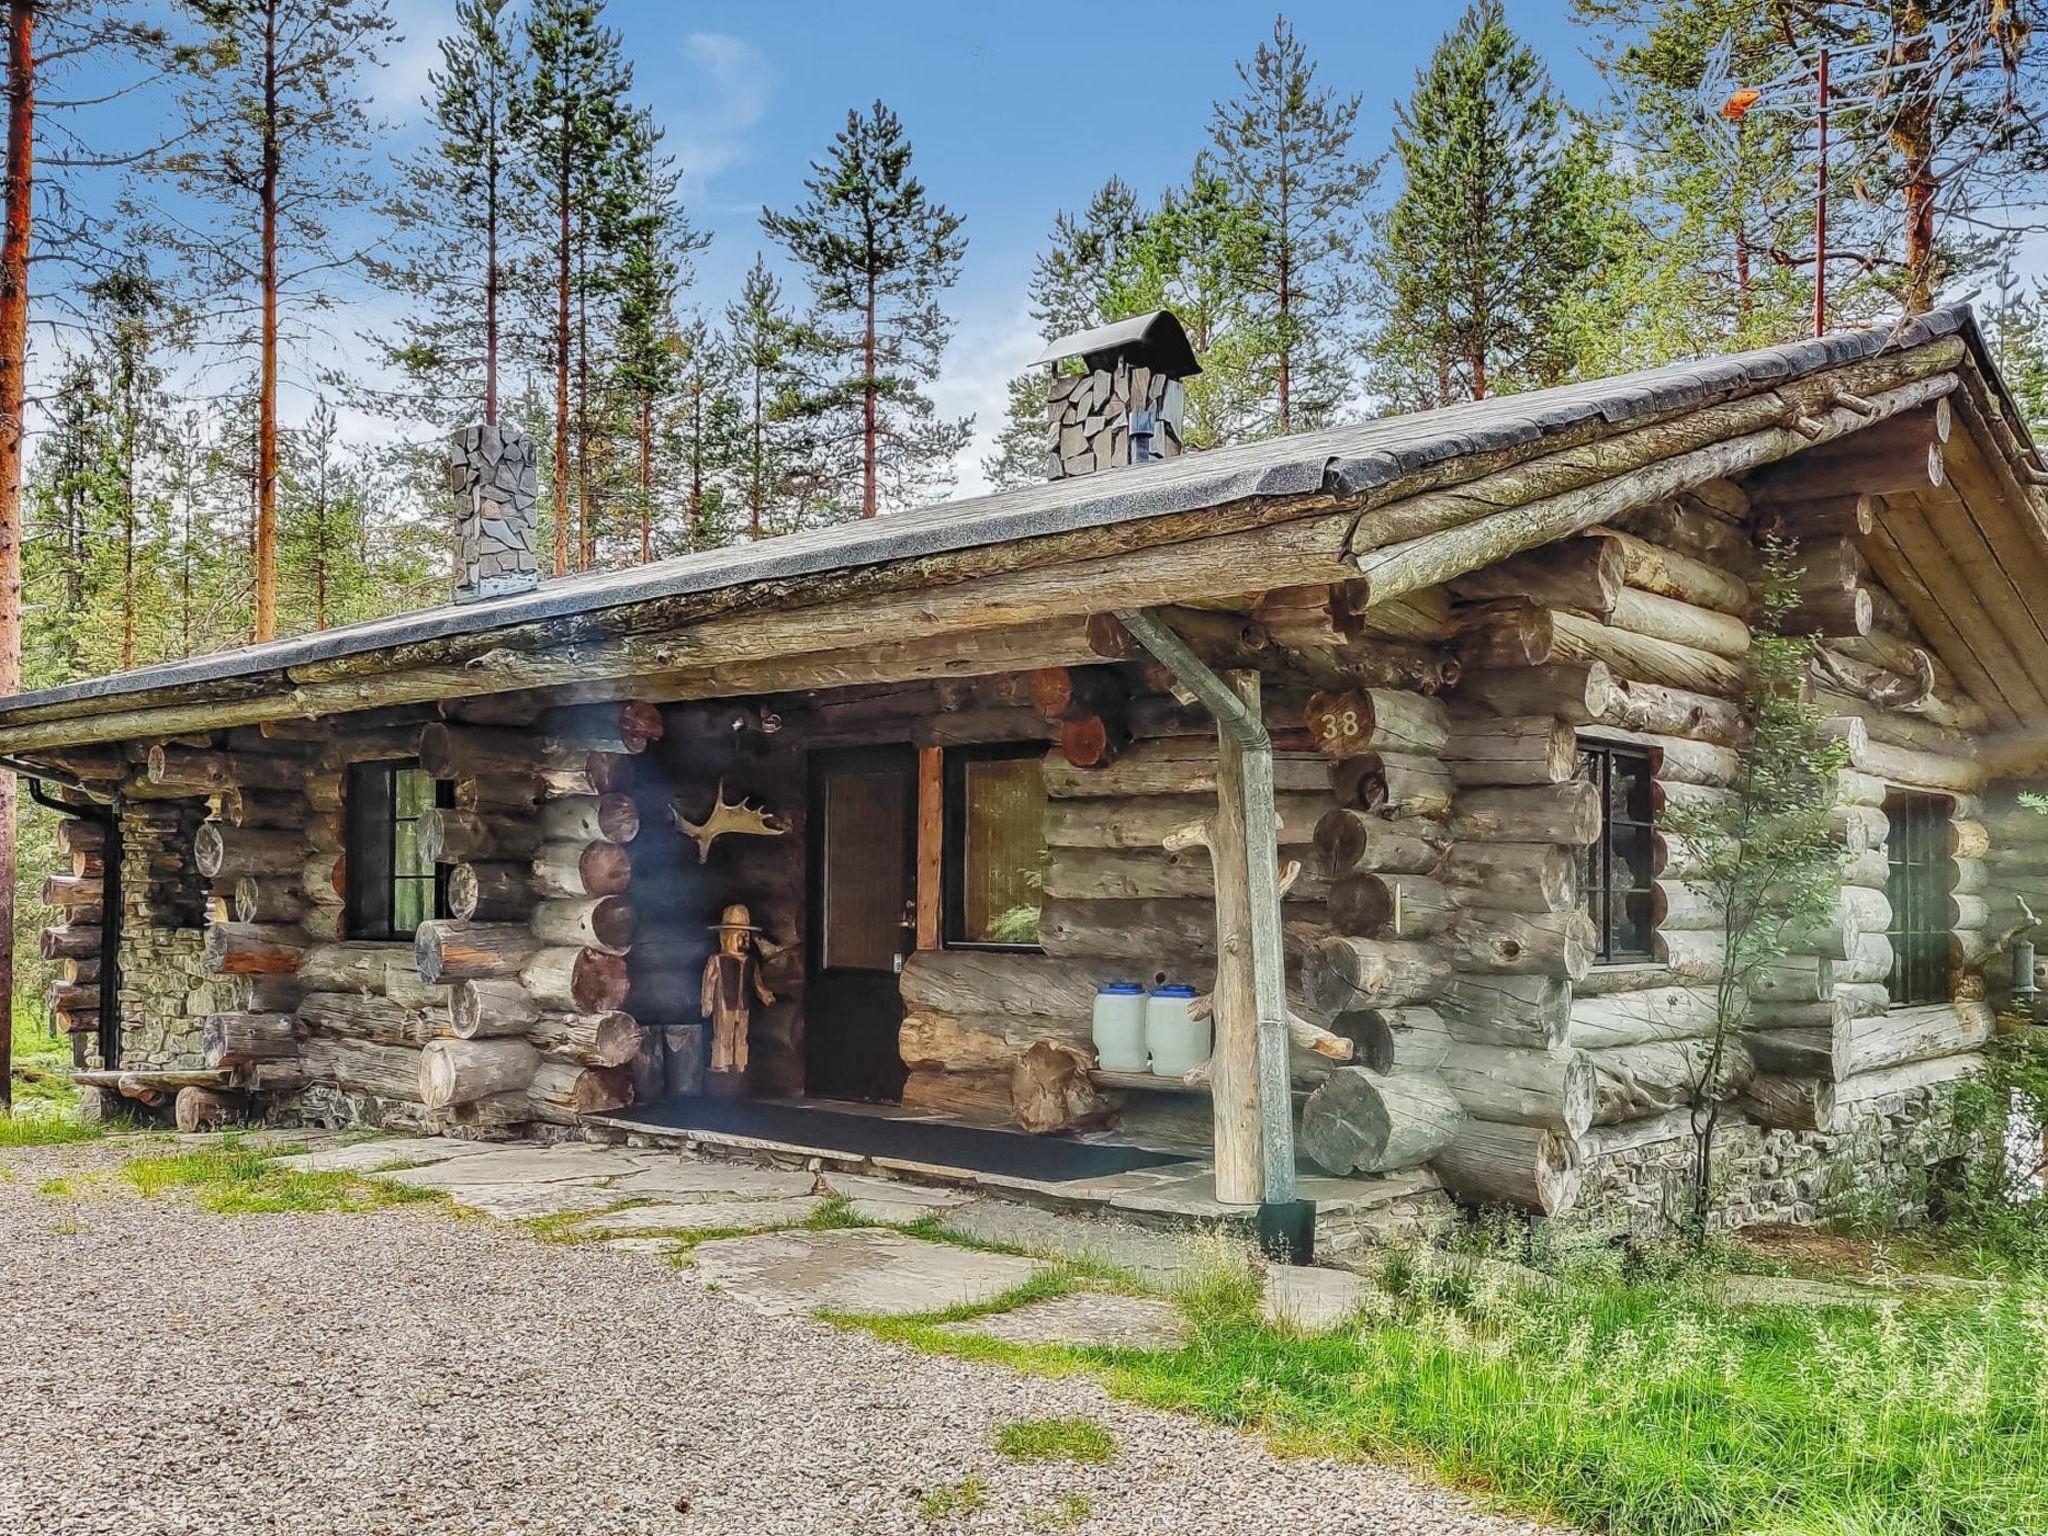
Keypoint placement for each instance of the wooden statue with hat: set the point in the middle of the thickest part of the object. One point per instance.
(732, 983)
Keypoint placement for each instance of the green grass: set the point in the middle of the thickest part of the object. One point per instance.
(1068, 1511)
(42, 1074)
(1055, 1440)
(32, 1128)
(1641, 1404)
(236, 1180)
(954, 1501)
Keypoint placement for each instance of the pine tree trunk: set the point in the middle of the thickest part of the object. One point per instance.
(868, 457)
(646, 478)
(562, 368)
(759, 468)
(266, 397)
(491, 278)
(14, 238)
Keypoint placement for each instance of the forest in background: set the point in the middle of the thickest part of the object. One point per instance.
(538, 254)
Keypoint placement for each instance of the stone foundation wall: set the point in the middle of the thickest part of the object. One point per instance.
(1886, 1159)
(166, 988)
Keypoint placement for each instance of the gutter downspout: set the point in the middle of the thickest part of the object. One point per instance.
(1286, 1225)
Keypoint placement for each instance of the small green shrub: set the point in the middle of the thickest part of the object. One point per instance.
(1055, 1440)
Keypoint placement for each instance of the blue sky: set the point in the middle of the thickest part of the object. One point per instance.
(1016, 111)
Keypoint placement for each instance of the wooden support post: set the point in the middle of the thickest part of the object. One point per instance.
(931, 844)
(1249, 1071)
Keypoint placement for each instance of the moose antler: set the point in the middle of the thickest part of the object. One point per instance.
(738, 817)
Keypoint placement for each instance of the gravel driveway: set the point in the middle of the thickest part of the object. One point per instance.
(174, 1372)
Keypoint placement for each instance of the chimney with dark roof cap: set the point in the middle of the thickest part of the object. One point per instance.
(1127, 407)
(491, 473)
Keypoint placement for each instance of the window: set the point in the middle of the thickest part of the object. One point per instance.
(995, 846)
(391, 889)
(1619, 864)
(1917, 850)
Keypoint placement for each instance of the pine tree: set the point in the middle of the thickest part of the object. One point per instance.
(452, 212)
(1721, 254)
(1089, 274)
(763, 340)
(65, 526)
(878, 254)
(654, 243)
(126, 308)
(1200, 251)
(1480, 245)
(278, 137)
(324, 524)
(703, 438)
(1284, 146)
(571, 124)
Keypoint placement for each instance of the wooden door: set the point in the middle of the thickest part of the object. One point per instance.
(863, 834)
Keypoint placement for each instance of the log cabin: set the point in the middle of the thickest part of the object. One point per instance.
(1363, 736)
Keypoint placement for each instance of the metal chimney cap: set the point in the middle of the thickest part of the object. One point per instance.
(1154, 341)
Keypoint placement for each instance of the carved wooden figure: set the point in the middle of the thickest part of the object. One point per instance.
(732, 983)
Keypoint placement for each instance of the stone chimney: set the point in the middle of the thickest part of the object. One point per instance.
(1127, 407)
(491, 474)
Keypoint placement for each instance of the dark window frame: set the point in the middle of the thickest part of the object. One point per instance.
(370, 838)
(1919, 874)
(953, 836)
(1599, 889)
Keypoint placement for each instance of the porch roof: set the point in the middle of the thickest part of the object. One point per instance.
(1324, 470)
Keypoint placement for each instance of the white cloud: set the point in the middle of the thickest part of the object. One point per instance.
(722, 101)
(986, 353)
(397, 88)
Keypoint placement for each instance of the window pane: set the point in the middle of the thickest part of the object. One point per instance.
(1916, 848)
(1615, 871)
(412, 903)
(1003, 850)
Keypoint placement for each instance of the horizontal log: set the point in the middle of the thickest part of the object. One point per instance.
(1342, 973)
(70, 941)
(1905, 1035)
(461, 1071)
(490, 1006)
(354, 966)
(1373, 905)
(567, 979)
(1512, 877)
(1641, 1015)
(613, 818)
(495, 892)
(1350, 840)
(1360, 1121)
(1567, 813)
(602, 923)
(223, 852)
(1546, 943)
(1142, 822)
(1395, 786)
(1490, 1163)
(1376, 720)
(207, 771)
(246, 1039)
(365, 1016)
(1668, 573)
(236, 949)
(591, 1039)
(449, 835)
(1521, 749)
(445, 950)
(1179, 766)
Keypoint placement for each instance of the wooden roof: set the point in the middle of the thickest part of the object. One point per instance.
(1289, 510)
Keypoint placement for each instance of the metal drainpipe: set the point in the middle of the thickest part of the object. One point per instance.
(109, 818)
(1286, 1225)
